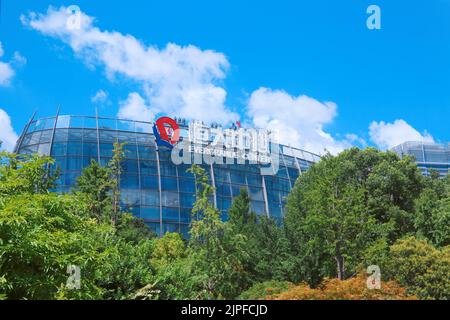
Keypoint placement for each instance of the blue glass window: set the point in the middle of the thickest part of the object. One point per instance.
(170, 199)
(59, 149)
(170, 214)
(150, 198)
(46, 136)
(106, 135)
(221, 175)
(129, 181)
(149, 182)
(74, 149)
(35, 138)
(155, 227)
(39, 125)
(224, 203)
(106, 150)
(71, 178)
(258, 207)
(223, 189)
(146, 152)
(169, 184)
(184, 230)
(74, 163)
(61, 135)
(75, 134)
(129, 197)
(182, 171)
(125, 125)
(256, 193)
(254, 180)
(90, 150)
(149, 167)
(185, 215)
(236, 190)
(128, 137)
(168, 169)
(90, 136)
(164, 155)
(187, 200)
(238, 177)
(275, 211)
(130, 166)
(63, 122)
(107, 124)
(170, 227)
(187, 185)
(60, 162)
(150, 213)
(130, 151)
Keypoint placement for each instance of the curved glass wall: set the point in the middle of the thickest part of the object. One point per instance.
(428, 156)
(152, 187)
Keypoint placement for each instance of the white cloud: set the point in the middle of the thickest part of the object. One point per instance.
(100, 97)
(299, 120)
(6, 71)
(18, 59)
(175, 80)
(351, 137)
(388, 135)
(135, 108)
(7, 134)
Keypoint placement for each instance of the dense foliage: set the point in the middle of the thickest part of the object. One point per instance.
(348, 212)
(351, 289)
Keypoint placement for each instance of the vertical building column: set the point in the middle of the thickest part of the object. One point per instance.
(266, 199)
(298, 165)
(213, 181)
(53, 133)
(287, 171)
(424, 159)
(160, 191)
(139, 169)
(98, 135)
(179, 199)
(22, 136)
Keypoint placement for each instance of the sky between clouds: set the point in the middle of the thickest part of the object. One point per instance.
(188, 81)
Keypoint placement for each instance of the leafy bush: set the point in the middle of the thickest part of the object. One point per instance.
(421, 268)
(264, 289)
(351, 289)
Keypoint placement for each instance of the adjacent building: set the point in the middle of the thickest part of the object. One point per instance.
(152, 186)
(428, 156)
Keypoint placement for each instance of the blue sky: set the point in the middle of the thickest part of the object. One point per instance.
(311, 68)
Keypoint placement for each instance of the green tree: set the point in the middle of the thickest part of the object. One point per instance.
(25, 174)
(273, 258)
(100, 188)
(115, 168)
(263, 289)
(176, 278)
(216, 251)
(343, 205)
(95, 184)
(133, 229)
(265, 244)
(240, 216)
(432, 217)
(42, 233)
(421, 268)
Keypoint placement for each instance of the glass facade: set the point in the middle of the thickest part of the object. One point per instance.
(428, 156)
(152, 187)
